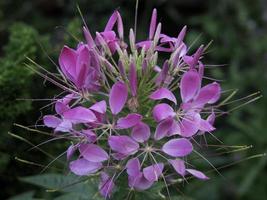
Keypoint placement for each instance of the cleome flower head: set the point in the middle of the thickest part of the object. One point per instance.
(131, 113)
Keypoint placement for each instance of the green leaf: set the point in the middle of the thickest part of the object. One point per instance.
(64, 183)
(23, 196)
(72, 196)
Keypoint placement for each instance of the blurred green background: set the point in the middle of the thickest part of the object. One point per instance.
(238, 29)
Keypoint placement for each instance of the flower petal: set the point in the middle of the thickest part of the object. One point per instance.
(162, 111)
(79, 115)
(89, 39)
(119, 156)
(181, 35)
(120, 25)
(64, 126)
(197, 174)
(163, 128)
(67, 62)
(163, 93)
(196, 56)
(118, 97)
(178, 147)
(144, 44)
(163, 74)
(91, 136)
(208, 94)
(106, 185)
(70, 151)
(204, 125)
(179, 166)
(139, 182)
(153, 172)
(190, 124)
(51, 121)
(133, 167)
(174, 129)
(93, 153)
(82, 64)
(99, 107)
(153, 23)
(83, 167)
(123, 144)
(190, 84)
(62, 104)
(111, 22)
(129, 121)
(140, 132)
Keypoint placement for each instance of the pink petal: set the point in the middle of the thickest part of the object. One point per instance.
(163, 73)
(208, 94)
(188, 60)
(178, 147)
(51, 121)
(144, 44)
(109, 37)
(139, 182)
(163, 128)
(119, 156)
(179, 166)
(162, 111)
(190, 124)
(120, 25)
(64, 126)
(205, 126)
(93, 153)
(211, 118)
(153, 24)
(163, 93)
(140, 132)
(106, 185)
(197, 174)
(181, 35)
(67, 62)
(79, 115)
(111, 22)
(133, 167)
(62, 104)
(89, 39)
(153, 172)
(70, 151)
(200, 69)
(99, 107)
(174, 129)
(84, 167)
(118, 97)
(123, 144)
(81, 76)
(197, 55)
(129, 121)
(82, 64)
(91, 136)
(190, 84)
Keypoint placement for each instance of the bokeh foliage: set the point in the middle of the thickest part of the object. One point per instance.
(238, 29)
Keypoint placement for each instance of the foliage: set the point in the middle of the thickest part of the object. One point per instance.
(15, 79)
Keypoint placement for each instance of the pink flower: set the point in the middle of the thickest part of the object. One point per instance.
(125, 113)
(81, 67)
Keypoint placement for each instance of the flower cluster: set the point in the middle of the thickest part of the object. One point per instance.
(127, 111)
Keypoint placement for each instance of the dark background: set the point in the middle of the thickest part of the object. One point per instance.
(238, 29)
